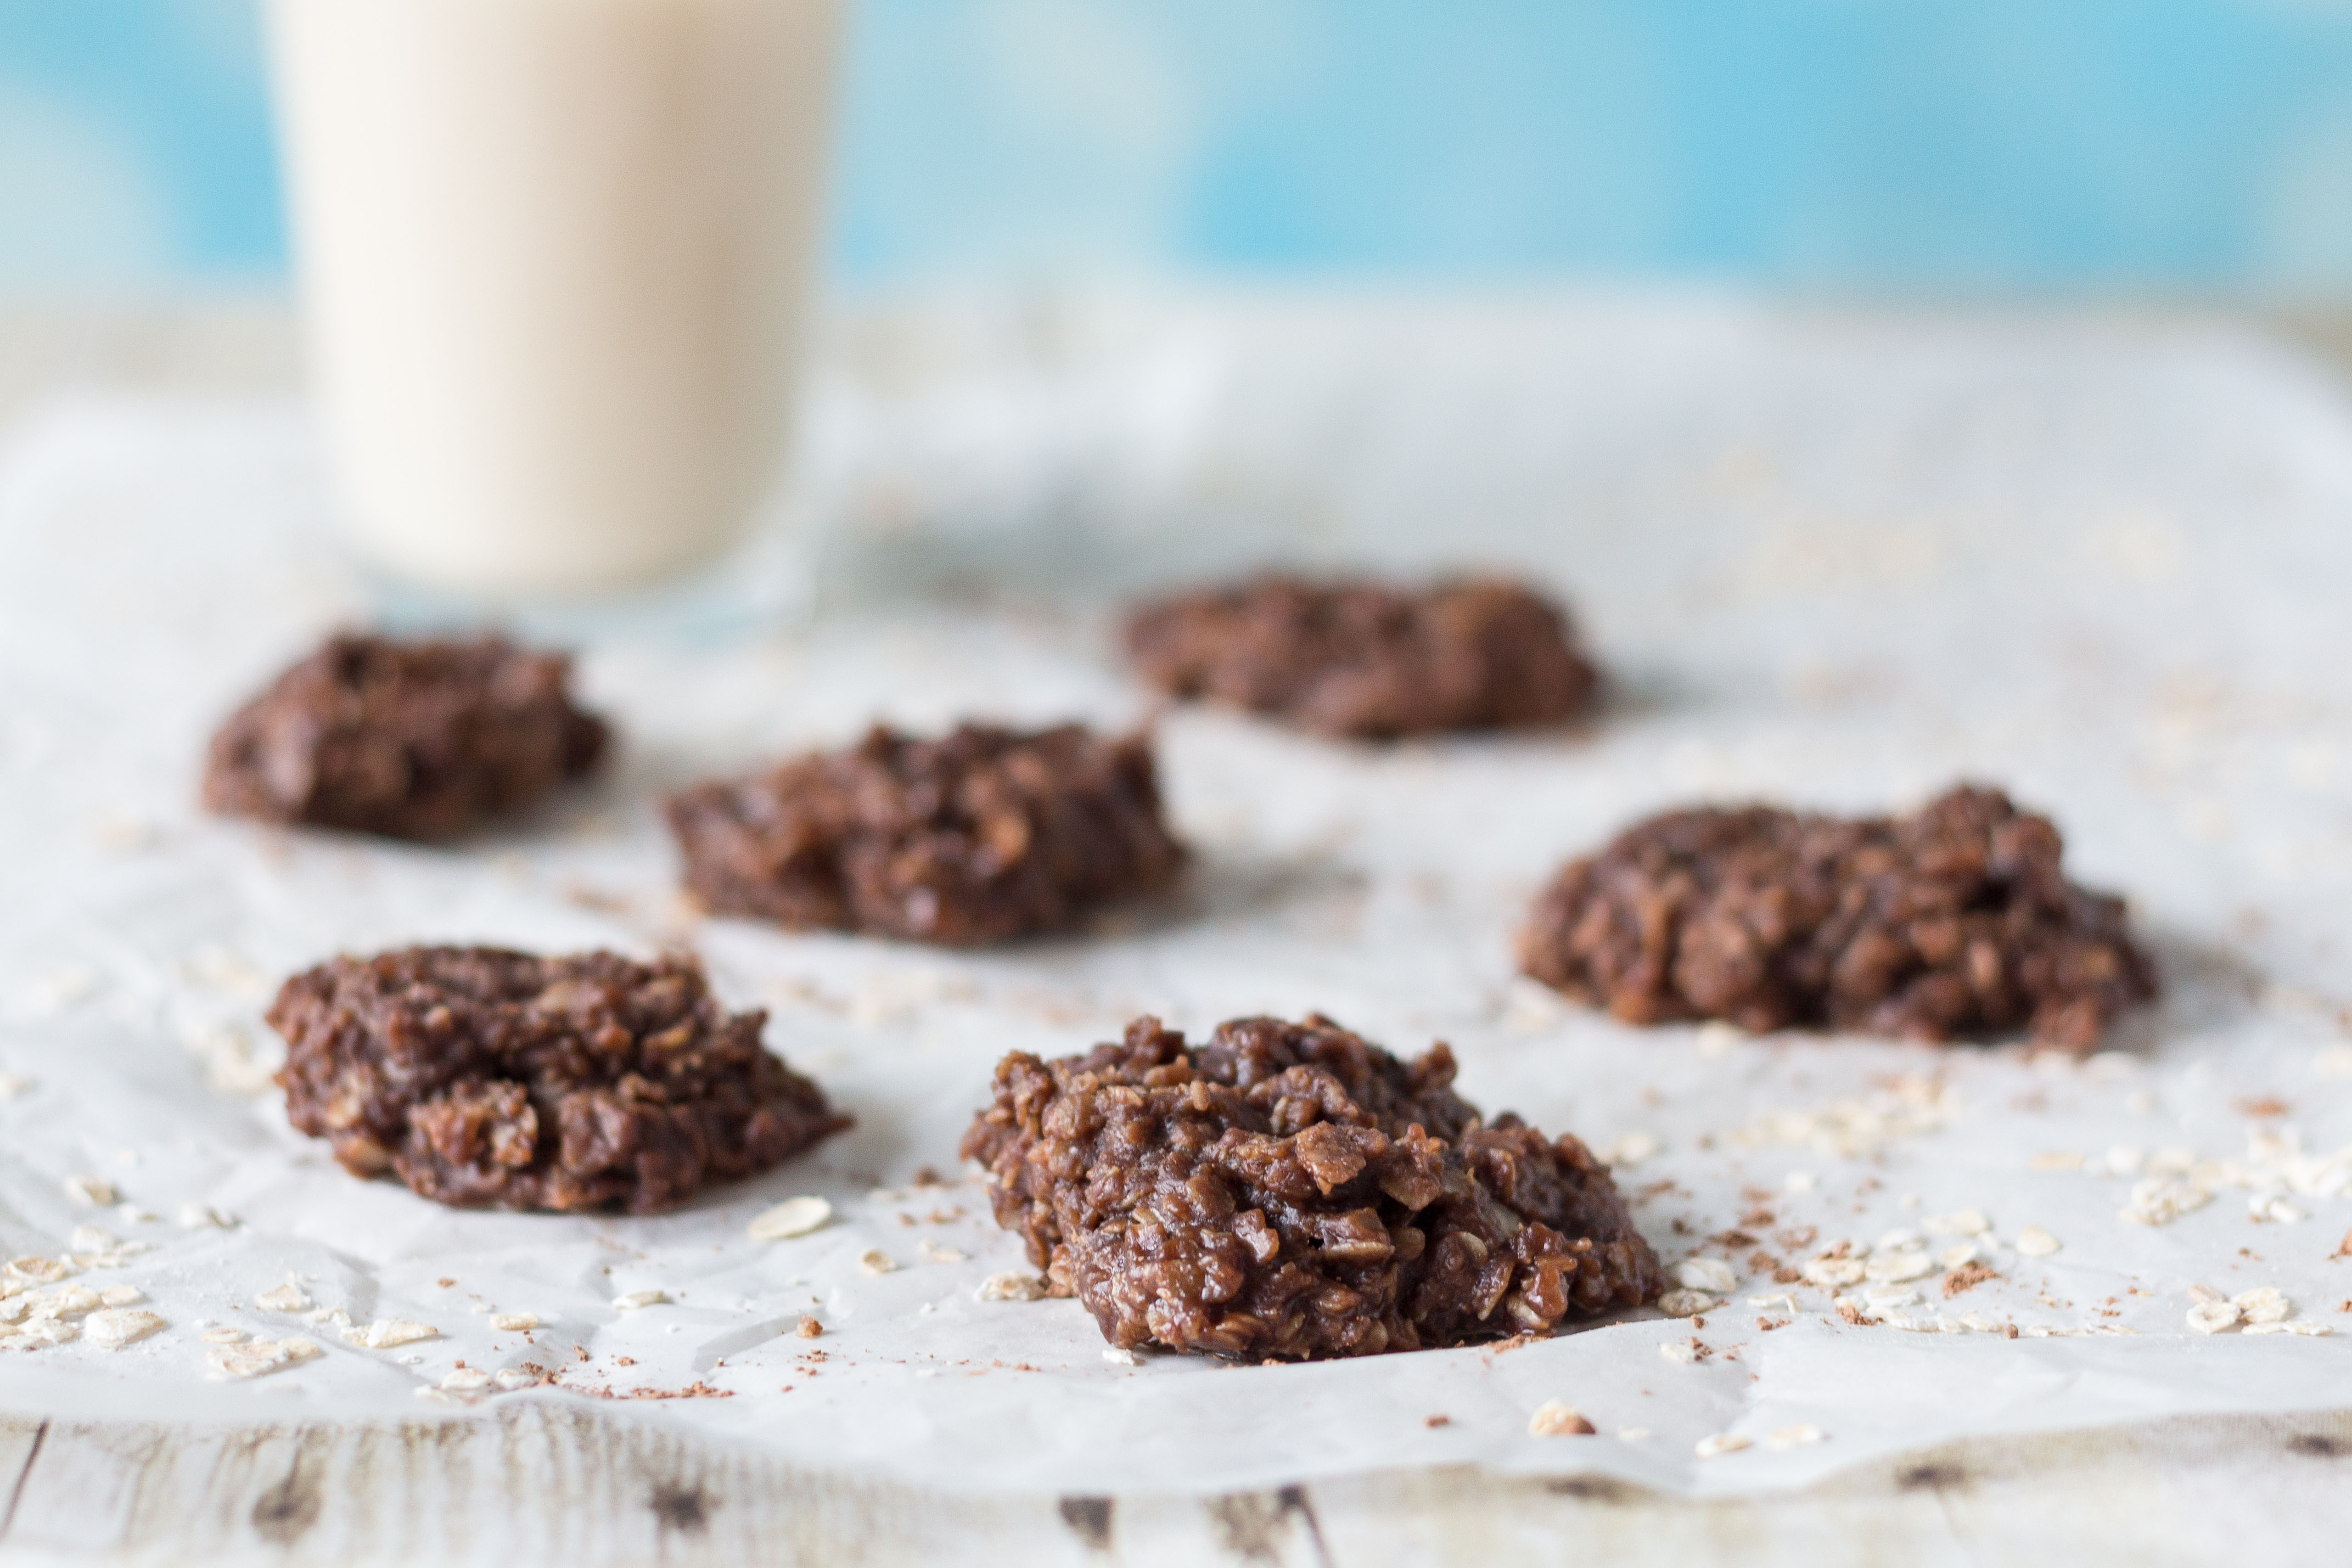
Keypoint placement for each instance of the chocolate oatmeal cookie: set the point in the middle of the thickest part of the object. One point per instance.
(488, 1078)
(980, 836)
(410, 739)
(1954, 923)
(1364, 659)
(1292, 1191)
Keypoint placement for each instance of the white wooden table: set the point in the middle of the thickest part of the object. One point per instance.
(538, 1480)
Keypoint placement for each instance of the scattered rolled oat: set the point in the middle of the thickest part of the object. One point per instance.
(1799, 1436)
(1557, 1418)
(258, 1358)
(874, 1260)
(1777, 1302)
(91, 1190)
(2057, 1160)
(97, 1241)
(1685, 1303)
(513, 1377)
(2299, 1326)
(122, 1295)
(2035, 1242)
(40, 1332)
(1705, 1274)
(287, 1297)
(204, 1216)
(1011, 1285)
(1632, 1434)
(1719, 1444)
(2160, 1200)
(935, 1253)
(1632, 1148)
(1121, 1357)
(1960, 1222)
(1834, 1273)
(2212, 1317)
(46, 1270)
(386, 1332)
(794, 1216)
(1800, 1182)
(66, 1301)
(1892, 1267)
(2265, 1304)
(1912, 1106)
(13, 1084)
(465, 1379)
(1957, 1255)
(514, 1322)
(637, 1300)
(224, 1336)
(117, 1327)
(1682, 1353)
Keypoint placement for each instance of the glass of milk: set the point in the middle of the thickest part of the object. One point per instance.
(556, 259)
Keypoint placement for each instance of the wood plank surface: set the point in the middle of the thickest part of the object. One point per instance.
(548, 1481)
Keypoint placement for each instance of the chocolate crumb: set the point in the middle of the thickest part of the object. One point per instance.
(1967, 1277)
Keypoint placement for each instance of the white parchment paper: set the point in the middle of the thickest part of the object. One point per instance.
(1833, 563)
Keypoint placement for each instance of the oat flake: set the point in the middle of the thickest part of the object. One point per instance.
(794, 1216)
(1557, 1418)
(115, 1327)
(1011, 1285)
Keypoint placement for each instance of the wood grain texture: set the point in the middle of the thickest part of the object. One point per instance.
(547, 1481)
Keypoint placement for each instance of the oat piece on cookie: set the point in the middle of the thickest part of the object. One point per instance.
(1365, 660)
(409, 740)
(488, 1078)
(1293, 1191)
(1955, 921)
(980, 836)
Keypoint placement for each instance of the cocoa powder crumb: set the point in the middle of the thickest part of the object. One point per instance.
(1967, 1277)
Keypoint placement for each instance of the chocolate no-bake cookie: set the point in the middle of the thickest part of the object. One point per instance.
(1292, 1191)
(1954, 921)
(1365, 660)
(982, 836)
(410, 739)
(488, 1078)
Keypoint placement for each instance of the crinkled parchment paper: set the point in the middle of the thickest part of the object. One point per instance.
(1834, 562)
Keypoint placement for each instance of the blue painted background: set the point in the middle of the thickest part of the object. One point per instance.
(1879, 144)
